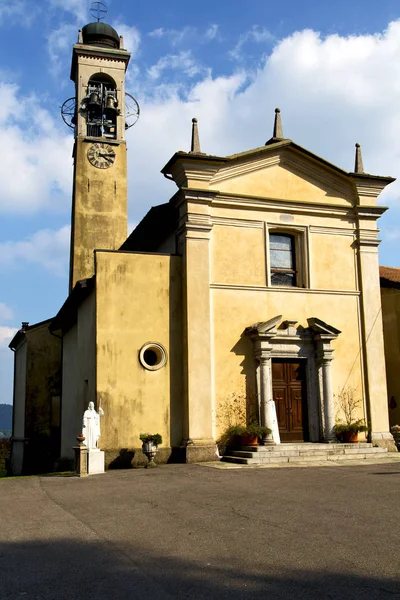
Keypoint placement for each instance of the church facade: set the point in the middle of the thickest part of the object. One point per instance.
(257, 281)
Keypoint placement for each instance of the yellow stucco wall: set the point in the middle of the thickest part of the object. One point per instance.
(79, 374)
(317, 207)
(238, 255)
(234, 310)
(282, 181)
(333, 262)
(391, 331)
(138, 301)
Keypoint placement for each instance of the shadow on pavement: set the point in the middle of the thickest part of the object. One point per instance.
(65, 569)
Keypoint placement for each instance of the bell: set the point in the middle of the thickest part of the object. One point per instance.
(111, 105)
(94, 102)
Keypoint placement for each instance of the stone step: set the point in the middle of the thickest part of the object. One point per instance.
(327, 451)
(366, 450)
(303, 446)
(306, 456)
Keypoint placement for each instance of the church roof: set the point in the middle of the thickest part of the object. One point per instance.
(271, 145)
(389, 276)
(67, 314)
(152, 230)
(100, 34)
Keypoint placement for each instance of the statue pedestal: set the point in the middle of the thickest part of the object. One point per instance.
(95, 461)
(81, 461)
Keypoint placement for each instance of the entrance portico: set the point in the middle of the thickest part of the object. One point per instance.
(305, 408)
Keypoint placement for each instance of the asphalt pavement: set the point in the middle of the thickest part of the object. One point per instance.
(189, 531)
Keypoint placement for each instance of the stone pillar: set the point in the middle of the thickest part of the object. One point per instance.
(329, 405)
(81, 460)
(194, 242)
(267, 413)
(372, 336)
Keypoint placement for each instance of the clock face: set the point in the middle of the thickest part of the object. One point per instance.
(101, 156)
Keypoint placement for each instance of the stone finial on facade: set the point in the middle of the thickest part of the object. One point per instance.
(195, 145)
(277, 134)
(80, 37)
(358, 165)
(278, 130)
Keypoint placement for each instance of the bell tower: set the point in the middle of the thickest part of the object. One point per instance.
(98, 117)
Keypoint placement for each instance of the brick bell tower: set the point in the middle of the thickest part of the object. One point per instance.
(98, 117)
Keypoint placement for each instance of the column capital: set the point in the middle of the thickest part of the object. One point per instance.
(263, 354)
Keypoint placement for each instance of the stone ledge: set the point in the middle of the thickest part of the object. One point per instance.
(196, 454)
(384, 440)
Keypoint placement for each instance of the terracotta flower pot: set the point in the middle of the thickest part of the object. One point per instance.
(350, 437)
(249, 439)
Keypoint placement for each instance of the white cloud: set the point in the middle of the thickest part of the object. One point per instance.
(59, 44)
(212, 32)
(187, 34)
(131, 37)
(36, 170)
(184, 61)
(256, 35)
(77, 8)
(21, 11)
(175, 36)
(6, 313)
(157, 33)
(333, 92)
(6, 335)
(47, 248)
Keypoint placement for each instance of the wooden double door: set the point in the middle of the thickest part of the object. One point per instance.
(289, 393)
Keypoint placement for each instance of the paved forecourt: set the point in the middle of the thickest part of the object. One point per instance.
(188, 531)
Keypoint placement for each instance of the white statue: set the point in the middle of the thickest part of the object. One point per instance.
(91, 425)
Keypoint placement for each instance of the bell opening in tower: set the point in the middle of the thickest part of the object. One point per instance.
(101, 107)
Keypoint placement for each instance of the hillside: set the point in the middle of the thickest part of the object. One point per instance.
(5, 417)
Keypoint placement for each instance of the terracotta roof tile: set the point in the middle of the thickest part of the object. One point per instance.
(390, 274)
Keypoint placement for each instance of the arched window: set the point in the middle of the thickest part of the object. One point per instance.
(101, 107)
(282, 259)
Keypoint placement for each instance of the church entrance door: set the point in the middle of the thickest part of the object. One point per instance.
(289, 393)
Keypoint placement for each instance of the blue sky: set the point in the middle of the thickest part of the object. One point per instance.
(332, 68)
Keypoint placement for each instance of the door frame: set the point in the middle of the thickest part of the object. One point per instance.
(304, 399)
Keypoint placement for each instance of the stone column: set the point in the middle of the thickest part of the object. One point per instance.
(267, 413)
(329, 406)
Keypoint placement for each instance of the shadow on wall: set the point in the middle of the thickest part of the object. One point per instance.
(244, 348)
(83, 570)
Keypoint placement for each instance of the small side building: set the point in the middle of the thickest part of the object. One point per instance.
(390, 294)
(36, 402)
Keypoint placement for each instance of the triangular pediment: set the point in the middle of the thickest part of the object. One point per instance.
(286, 173)
(264, 327)
(321, 327)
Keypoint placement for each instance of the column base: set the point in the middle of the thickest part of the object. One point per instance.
(384, 440)
(200, 451)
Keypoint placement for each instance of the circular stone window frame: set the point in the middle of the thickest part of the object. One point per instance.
(160, 352)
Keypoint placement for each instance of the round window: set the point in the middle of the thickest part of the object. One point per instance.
(152, 356)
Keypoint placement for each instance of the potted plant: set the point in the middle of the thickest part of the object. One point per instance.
(252, 433)
(245, 435)
(347, 429)
(396, 435)
(348, 432)
(150, 442)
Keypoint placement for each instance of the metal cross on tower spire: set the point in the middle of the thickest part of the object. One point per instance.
(98, 10)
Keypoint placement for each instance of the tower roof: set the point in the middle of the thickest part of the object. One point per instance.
(100, 34)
